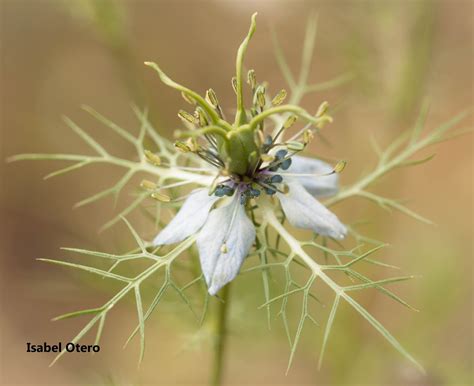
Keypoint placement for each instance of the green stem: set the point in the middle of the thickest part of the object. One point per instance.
(220, 336)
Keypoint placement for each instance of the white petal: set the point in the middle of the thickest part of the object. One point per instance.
(304, 211)
(318, 186)
(190, 218)
(224, 243)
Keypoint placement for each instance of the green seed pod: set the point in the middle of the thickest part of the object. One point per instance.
(237, 153)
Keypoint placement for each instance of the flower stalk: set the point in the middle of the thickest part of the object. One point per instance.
(220, 336)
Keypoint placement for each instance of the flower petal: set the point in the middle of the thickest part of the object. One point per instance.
(224, 243)
(318, 186)
(304, 211)
(190, 218)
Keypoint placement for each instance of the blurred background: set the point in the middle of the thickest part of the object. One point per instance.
(59, 54)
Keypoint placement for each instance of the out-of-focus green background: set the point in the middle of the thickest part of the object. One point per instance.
(57, 55)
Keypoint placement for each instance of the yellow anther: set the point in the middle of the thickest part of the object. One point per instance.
(148, 185)
(295, 146)
(152, 158)
(186, 117)
(160, 197)
(211, 97)
(252, 79)
(322, 110)
(260, 97)
(188, 99)
(234, 84)
(340, 166)
(290, 121)
(267, 158)
(279, 98)
(307, 136)
(182, 147)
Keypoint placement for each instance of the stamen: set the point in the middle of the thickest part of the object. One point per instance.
(288, 123)
(188, 99)
(160, 197)
(148, 185)
(337, 169)
(189, 168)
(252, 80)
(279, 98)
(201, 117)
(234, 84)
(182, 147)
(186, 117)
(267, 157)
(295, 146)
(152, 158)
(322, 110)
(259, 98)
(211, 98)
(269, 189)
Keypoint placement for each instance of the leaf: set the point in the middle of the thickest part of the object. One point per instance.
(382, 330)
(88, 269)
(141, 322)
(327, 330)
(77, 313)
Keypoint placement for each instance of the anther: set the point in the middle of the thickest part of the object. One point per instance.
(160, 197)
(186, 117)
(252, 79)
(211, 98)
(290, 121)
(307, 136)
(200, 117)
(234, 84)
(148, 185)
(281, 154)
(279, 98)
(276, 179)
(340, 166)
(260, 97)
(267, 158)
(322, 110)
(295, 146)
(182, 147)
(188, 99)
(152, 158)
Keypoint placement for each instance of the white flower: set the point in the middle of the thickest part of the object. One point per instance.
(250, 160)
(226, 234)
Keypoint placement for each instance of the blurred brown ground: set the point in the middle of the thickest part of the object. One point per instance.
(55, 58)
